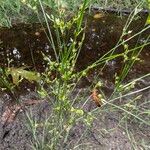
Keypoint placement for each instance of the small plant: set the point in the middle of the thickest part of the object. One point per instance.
(62, 79)
(58, 83)
(66, 50)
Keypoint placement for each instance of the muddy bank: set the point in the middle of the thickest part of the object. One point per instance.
(106, 132)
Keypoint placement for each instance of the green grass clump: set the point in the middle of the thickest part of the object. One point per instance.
(59, 91)
(14, 11)
(65, 114)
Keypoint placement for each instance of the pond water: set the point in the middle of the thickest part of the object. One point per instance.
(22, 45)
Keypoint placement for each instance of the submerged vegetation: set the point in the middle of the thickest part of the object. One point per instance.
(65, 23)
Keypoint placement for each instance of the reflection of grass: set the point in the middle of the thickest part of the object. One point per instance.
(67, 108)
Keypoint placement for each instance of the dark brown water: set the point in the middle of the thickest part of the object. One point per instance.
(22, 44)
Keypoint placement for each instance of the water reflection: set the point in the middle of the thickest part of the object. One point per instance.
(24, 43)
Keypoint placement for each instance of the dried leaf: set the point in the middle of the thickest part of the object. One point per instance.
(10, 114)
(98, 15)
(96, 98)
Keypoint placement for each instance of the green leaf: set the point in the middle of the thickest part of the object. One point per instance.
(20, 73)
(148, 19)
(42, 92)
